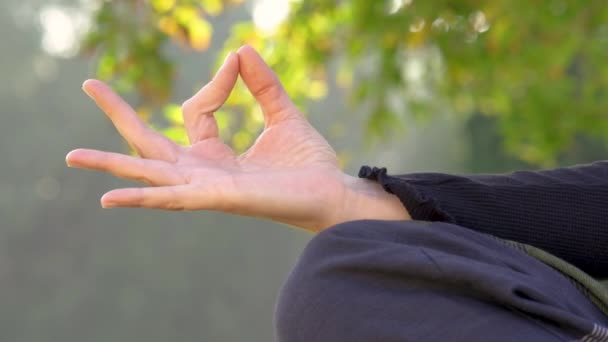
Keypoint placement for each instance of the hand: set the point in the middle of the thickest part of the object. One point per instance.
(290, 174)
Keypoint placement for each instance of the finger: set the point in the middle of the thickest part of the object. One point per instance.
(147, 143)
(265, 87)
(179, 197)
(153, 172)
(198, 111)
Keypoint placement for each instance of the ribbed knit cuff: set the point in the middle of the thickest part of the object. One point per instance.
(419, 200)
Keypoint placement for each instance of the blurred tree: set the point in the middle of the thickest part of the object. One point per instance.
(536, 66)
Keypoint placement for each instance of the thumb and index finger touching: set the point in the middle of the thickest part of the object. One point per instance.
(198, 118)
(261, 81)
(198, 110)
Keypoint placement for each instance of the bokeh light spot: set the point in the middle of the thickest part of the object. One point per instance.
(269, 14)
(62, 28)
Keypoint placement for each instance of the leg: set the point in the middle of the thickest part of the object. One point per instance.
(416, 281)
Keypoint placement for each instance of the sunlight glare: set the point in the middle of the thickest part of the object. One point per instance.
(417, 25)
(61, 27)
(414, 69)
(269, 14)
(396, 5)
(479, 22)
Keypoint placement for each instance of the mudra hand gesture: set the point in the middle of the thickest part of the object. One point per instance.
(290, 174)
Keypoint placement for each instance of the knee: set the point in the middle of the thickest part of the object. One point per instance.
(316, 302)
(305, 302)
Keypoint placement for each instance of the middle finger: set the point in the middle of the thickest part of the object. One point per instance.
(152, 172)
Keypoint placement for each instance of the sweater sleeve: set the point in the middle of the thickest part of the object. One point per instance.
(563, 211)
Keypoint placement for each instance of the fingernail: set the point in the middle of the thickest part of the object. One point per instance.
(89, 92)
(104, 202)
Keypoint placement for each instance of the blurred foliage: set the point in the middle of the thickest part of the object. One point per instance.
(538, 67)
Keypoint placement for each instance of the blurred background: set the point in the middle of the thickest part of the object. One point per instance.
(449, 86)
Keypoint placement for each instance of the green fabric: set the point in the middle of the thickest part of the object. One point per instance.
(593, 289)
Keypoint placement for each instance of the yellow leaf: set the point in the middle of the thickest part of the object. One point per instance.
(213, 7)
(177, 134)
(320, 23)
(256, 115)
(317, 89)
(168, 25)
(173, 113)
(163, 6)
(185, 14)
(199, 34)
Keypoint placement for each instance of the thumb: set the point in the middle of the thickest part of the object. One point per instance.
(265, 86)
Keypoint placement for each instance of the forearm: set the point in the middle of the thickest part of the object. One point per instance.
(564, 211)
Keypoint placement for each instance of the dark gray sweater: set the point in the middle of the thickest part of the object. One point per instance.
(562, 211)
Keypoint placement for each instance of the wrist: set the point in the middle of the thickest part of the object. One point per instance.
(366, 199)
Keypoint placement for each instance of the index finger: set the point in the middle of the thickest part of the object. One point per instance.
(266, 87)
(147, 143)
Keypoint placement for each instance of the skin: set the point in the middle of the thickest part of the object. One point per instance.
(290, 174)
